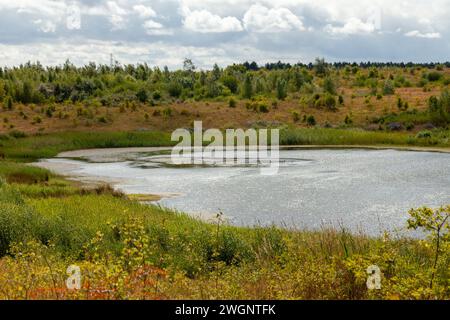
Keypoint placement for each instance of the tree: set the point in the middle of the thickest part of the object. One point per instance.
(248, 87)
(329, 85)
(174, 88)
(230, 82)
(388, 88)
(437, 224)
(188, 66)
(216, 72)
(281, 89)
(299, 80)
(142, 95)
(27, 93)
(8, 103)
(321, 67)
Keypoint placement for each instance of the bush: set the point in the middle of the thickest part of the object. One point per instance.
(263, 108)
(8, 103)
(174, 88)
(388, 88)
(167, 112)
(142, 95)
(156, 95)
(17, 134)
(232, 103)
(434, 76)
(330, 102)
(424, 134)
(311, 121)
(329, 86)
(281, 89)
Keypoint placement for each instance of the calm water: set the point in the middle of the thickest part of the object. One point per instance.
(367, 190)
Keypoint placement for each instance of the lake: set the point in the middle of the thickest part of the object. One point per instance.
(360, 189)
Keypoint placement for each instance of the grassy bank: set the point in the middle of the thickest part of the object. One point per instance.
(131, 251)
(30, 148)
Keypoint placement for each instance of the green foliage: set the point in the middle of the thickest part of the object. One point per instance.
(174, 89)
(434, 76)
(437, 223)
(311, 121)
(439, 108)
(247, 90)
(142, 95)
(128, 250)
(232, 103)
(329, 86)
(8, 103)
(231, 83)
(281, 89)
(321, 67)
(388, 88)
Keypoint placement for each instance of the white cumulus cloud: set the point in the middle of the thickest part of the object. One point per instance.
(144, 11)
(45, 26)
(352, 26)
(204, 21)
(267, 20)
(418, 34)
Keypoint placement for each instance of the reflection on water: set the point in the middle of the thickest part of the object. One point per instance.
(369, 190)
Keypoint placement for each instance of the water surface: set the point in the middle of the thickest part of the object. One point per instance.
(363, 190)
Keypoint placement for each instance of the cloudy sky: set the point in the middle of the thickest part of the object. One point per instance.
(163, 32)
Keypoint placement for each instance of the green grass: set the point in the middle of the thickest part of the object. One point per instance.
(14, 172)
(32, 148)
(35, 147)
(320, 136)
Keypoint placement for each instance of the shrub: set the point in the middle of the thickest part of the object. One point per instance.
(263, 108)
(281, 89)
(156, 95)
(142, 95)
(8, 103)
(329, 85)
(232, 103)
(311, 121)
(434, 76)
(388, 88)
(424, 134)
(17, 134)
(167, 112)
(102, 119)
(174, 88)
(330, 102)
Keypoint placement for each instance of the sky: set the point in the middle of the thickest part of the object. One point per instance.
(164, 33)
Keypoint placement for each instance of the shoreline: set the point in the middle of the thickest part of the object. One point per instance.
(116, 151)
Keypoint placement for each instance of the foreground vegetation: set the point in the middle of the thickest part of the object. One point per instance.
(127, 250)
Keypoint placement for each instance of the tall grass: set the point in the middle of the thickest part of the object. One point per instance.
(208, 261)
(45, 146)
(322, 136)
